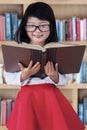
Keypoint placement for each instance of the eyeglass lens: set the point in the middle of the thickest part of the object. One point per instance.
(43, 27)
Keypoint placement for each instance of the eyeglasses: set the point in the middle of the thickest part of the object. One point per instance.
(42, 28)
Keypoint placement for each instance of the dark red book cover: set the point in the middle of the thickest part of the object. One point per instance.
(69, 57)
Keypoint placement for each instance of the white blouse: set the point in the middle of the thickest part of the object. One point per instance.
(14, 79)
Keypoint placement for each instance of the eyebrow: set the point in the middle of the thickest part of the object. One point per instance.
(39, 23)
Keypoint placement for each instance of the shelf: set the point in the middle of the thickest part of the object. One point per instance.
(3, 128)
(69, 86)
(63, 9)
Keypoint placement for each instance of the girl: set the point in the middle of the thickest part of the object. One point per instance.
(39, 104)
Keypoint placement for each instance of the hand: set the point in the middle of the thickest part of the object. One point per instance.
(29, 71)
(52, 71)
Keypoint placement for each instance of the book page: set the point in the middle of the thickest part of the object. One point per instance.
(58, 44)
(26, 45)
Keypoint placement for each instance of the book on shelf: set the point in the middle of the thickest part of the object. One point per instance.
(68, 56)
(85, 110)
(0, 109)
(3, 112)
(81, 111)
(2, 28)
(9, 108)
(14, 23)
(8, 31)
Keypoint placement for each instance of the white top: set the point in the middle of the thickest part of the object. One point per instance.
(14, 79)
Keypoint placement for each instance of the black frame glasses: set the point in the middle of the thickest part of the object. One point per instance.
(42, 27)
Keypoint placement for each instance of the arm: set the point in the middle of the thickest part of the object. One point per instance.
(12, 78)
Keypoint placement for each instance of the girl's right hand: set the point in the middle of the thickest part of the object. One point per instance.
(29, 71)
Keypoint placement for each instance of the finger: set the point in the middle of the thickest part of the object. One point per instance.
(52, 66)
(36, 69)
(56, 67)
(30, 64)
(48, 66)
(21, 66)
(36, 65)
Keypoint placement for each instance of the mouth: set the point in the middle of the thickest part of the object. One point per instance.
(37, 36)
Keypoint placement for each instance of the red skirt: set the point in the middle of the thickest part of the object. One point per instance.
(43, 107)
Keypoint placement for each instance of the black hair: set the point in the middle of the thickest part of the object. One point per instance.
(41, 11)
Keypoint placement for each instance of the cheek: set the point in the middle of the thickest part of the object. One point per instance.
(29, 34)
(46, 35)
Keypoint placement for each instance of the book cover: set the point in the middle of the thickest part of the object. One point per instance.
(69, 57)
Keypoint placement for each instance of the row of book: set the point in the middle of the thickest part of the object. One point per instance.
(80, 77)
(82, 110)
(6, 106)
(9, 23)
(73, 29)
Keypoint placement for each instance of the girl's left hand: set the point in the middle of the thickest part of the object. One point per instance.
(52, 71)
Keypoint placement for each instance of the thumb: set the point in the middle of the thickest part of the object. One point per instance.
(21, 66)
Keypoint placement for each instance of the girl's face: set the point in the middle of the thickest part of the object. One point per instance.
(37, 30)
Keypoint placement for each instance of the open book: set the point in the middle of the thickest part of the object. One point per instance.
(69, 57)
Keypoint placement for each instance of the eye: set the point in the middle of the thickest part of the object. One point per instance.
(44, 25)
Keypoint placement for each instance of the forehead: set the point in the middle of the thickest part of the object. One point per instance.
(36, 20)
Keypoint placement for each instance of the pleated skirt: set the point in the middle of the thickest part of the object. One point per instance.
(43, 107)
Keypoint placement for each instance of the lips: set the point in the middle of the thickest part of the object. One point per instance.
(37, 36)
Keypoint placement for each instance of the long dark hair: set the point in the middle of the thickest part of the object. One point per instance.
(41, 11)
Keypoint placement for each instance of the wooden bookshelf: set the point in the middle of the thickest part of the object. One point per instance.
(63, 10)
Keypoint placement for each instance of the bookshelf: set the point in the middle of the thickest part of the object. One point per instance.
(63, 9)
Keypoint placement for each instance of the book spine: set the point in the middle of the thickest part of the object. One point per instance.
(0, 109)
(85, 110)
(84, 29)
(9, 108)
(66, 30)
(63, 29)
(14, 20)
(83, 72)
(2, 28)
(70, 29)
(8, 32)
(81, 29)
(74, 28)
(3, 112)
(57, 22)
(78, 29)
(80, 112)
(18, 22)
